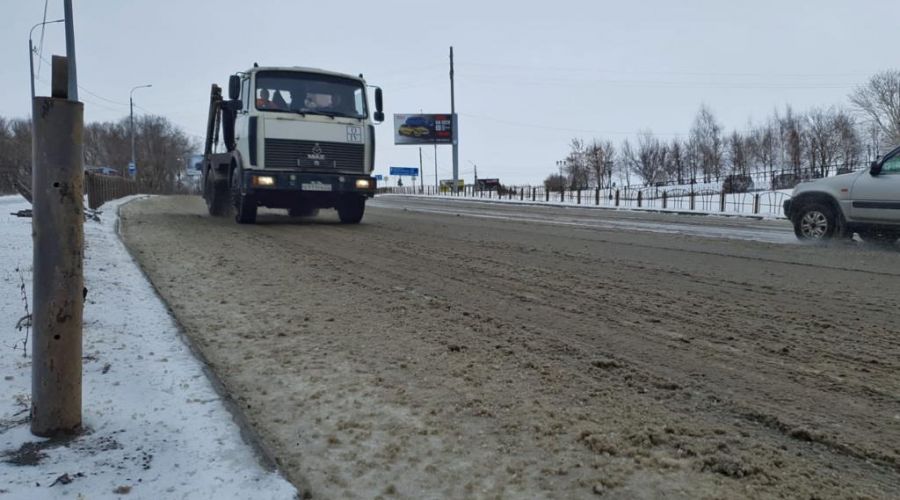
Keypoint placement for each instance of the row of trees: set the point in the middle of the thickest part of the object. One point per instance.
(818, 142)
(160, 149)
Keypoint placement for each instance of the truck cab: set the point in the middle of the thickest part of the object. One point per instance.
(295, 138)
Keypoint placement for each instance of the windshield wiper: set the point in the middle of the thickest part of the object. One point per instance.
(330, 114)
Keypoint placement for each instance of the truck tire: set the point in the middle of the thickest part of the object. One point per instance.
(815, 222)
(351, 209)
(216, 196)
(244, 206)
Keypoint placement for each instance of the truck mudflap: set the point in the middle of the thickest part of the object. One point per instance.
(259, 182)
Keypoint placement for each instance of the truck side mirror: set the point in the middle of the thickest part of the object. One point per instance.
(379, 106)
(234, 87)
(875, 168)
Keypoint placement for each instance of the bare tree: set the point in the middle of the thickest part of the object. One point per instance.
(879, 101)
(7, 168)
(675, 161)
(628, 160)
(600, 157)
(822, 139)
(577, 169)
(555, 182)
(849, 142)
(20, 154)
(707, 134)
(649, 159)
(764, 146)
(792, 139)
(738, 153)
(692, 159)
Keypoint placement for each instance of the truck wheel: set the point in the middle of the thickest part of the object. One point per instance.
(244, 206)
(351, 209)
(216, 196)
(815, 222)
(879, 236)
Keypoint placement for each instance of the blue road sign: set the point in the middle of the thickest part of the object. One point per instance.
(379, 177)
(405, 171)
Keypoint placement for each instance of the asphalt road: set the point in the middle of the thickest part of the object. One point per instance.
(447, 349)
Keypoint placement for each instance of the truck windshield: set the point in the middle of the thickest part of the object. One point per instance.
(300, 92)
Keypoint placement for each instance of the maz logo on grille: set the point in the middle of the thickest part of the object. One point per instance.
(316, 155)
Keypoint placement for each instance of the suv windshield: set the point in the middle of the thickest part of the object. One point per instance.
(309, 93)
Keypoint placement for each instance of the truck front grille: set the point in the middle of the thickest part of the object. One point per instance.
(289, 153)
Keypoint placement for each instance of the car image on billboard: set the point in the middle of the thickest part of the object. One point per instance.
(415, 126)
(423, 129)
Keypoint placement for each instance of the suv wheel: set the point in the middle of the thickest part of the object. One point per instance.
(815, 222)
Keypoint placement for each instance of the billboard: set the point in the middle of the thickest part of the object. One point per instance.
(487, 184)
(447, 185)
(424, 129)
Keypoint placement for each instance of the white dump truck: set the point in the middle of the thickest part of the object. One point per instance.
(294, 138)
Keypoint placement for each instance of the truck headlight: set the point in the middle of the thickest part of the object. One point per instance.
(363, 184)
(263, 180)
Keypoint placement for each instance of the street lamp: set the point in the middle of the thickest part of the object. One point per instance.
(133, 166)
(31, 51)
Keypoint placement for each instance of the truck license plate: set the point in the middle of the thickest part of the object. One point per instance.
(315, 186)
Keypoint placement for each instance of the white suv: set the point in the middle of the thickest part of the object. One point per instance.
(866, 202)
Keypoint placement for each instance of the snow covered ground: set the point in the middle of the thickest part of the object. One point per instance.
(155, 427)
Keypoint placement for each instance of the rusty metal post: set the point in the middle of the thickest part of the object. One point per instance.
(58, 233)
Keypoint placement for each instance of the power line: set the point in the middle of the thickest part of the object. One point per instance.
(682, 73)
(43, 27)
(493, 80)
(561, 129)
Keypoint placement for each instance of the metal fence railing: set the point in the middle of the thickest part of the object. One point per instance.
(103, 188)
(764, 203)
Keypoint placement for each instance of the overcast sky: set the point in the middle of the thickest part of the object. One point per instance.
(529, 77)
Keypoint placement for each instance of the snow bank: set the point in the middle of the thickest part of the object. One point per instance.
(155, 426)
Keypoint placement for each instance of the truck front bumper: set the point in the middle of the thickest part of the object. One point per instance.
(262, 182)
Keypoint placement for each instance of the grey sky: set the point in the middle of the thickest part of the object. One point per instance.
(529, 76)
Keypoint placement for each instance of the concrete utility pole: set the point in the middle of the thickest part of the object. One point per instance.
(436, 182)
(131, 106)
(454, 125)
(58, 232)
